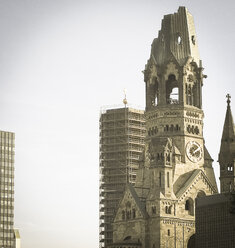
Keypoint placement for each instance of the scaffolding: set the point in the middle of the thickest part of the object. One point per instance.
(122, 134)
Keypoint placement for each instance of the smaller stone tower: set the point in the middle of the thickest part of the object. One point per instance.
(227, 152)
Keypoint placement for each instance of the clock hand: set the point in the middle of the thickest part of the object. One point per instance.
(196, 150)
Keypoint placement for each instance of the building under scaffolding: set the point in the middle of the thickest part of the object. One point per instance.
(122, 133)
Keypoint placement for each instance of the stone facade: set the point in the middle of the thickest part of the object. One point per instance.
(175, 167)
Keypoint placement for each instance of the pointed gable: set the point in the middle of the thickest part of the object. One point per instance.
(129, 203)
(185, 182)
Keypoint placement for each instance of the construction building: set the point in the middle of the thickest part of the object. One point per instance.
(7, 154)
(122, 133)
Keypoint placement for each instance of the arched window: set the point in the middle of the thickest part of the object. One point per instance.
(189, 95)
(167, 128)
(123, 215)
(133, 213)
(168, 179)
(201, 194)
(169, 209)
(128, 214)
(177, 127)
(191, 242)
(156, 90)
(166, 209)
(174, 96)
(172, 90)
(189, 206)
(154, 210)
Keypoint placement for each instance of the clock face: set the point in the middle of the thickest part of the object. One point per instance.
(194, 151)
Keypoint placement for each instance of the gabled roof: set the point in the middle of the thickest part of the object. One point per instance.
(140, 204)
(161, 143)
(181, 181)
(176, 150)
(184, 181)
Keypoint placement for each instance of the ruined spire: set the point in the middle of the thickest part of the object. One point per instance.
(177, 38)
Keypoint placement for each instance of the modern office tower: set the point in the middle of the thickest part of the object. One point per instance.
(159, 210)
(122, 133)
(7, 146)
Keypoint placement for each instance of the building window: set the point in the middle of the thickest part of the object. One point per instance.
(168, 209)
(160, 179)
(189, 206)
(168, 232)
(123, 215)
(154, 210)
(133, 213)
(168, 179)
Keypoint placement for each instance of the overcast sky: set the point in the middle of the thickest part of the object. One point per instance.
(60, 61)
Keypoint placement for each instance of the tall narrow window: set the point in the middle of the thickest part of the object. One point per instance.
(186, 93)
(123, 215)
(133, 213)
(168, 179)
(172, 90)
(160, 179)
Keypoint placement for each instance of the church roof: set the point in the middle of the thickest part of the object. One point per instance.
(185, 180)
(141, 205)
(182, 180)
(229, 128)
(227, 148)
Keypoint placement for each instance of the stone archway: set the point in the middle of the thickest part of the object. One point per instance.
(201, 194)
(191, 242)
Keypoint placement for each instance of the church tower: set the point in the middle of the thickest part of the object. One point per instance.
(175, 167)
(227, 152)
(174, 79)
